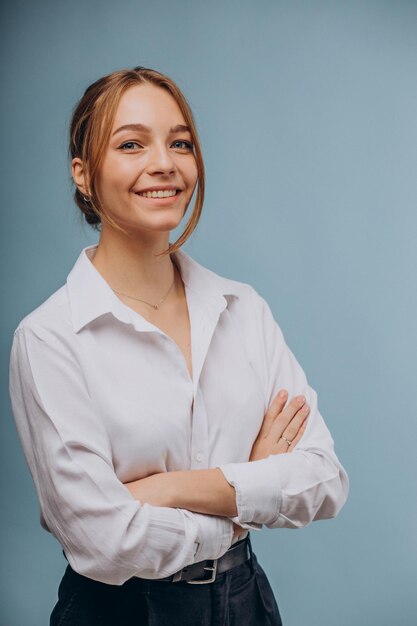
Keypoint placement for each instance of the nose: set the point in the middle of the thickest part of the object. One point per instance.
(161, 160)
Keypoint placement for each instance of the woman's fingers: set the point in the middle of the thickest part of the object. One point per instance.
(283, 422)
(275, 408)
(281, 428)
(295, 424)
(287, 444)
(286, 431)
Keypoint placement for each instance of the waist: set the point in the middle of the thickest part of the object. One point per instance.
(204, 572)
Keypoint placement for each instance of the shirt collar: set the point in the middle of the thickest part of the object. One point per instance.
(91, 296)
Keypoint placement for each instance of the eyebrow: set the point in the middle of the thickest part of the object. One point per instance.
(179, 128)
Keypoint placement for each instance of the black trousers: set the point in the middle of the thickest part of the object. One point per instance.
(241, 596)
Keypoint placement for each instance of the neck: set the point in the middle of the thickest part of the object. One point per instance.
(133, 267)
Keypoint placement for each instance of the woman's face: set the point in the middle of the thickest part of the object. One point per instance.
(150, 149)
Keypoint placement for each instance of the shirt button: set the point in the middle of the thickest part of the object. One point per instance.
(199, 457)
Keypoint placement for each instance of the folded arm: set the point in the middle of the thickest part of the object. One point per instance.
(271, 488)
(207, 491)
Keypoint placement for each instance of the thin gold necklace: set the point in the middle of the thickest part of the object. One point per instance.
(154, 306)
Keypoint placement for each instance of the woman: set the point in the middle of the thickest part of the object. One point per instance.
(160, 411)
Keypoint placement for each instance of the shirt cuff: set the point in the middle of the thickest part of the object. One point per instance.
(258, 492)
(214, 536)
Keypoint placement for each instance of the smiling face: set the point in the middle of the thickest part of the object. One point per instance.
(148, 173)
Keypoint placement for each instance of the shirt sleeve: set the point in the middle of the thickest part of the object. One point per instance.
(106, 534)
(288, 490)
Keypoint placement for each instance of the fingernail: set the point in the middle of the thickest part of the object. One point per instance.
(301, 399)
(282, 394)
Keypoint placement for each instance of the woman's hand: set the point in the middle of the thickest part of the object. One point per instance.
(289, 422)
(280, 426)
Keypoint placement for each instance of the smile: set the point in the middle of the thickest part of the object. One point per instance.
(166, 193)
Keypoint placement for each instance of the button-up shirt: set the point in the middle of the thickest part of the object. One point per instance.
(101, 396)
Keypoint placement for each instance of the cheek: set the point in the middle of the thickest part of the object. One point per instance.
(115, 177)
(192, 174)
(120, 174)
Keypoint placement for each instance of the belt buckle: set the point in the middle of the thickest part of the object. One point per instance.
(213, 569)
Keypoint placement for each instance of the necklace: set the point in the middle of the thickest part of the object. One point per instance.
(154, 306)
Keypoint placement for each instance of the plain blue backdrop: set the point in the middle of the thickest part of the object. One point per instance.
(307, 115)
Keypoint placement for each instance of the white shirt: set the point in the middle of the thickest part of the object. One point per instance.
(101, 396)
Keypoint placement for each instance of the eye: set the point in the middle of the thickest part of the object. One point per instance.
(129, 145)
(186, 145)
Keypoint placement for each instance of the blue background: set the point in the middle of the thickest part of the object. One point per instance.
(307, 116)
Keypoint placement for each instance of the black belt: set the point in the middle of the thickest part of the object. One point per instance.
(205, 572)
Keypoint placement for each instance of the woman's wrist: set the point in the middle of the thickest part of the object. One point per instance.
(202, 491)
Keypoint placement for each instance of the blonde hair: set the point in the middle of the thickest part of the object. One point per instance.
(90, 128)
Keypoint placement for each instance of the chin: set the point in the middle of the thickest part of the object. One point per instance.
(159, 222)
(169, 221)
(159, 226)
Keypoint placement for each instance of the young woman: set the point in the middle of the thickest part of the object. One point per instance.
(160, 411)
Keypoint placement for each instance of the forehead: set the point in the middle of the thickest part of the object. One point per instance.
(147, 104)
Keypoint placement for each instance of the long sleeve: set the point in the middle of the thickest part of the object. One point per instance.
(107, 535)
(287, 490)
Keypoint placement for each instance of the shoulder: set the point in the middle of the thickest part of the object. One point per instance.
(51, 318)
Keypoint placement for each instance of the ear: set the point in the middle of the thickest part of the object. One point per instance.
(78, 174)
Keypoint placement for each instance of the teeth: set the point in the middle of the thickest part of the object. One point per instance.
(166, 193)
